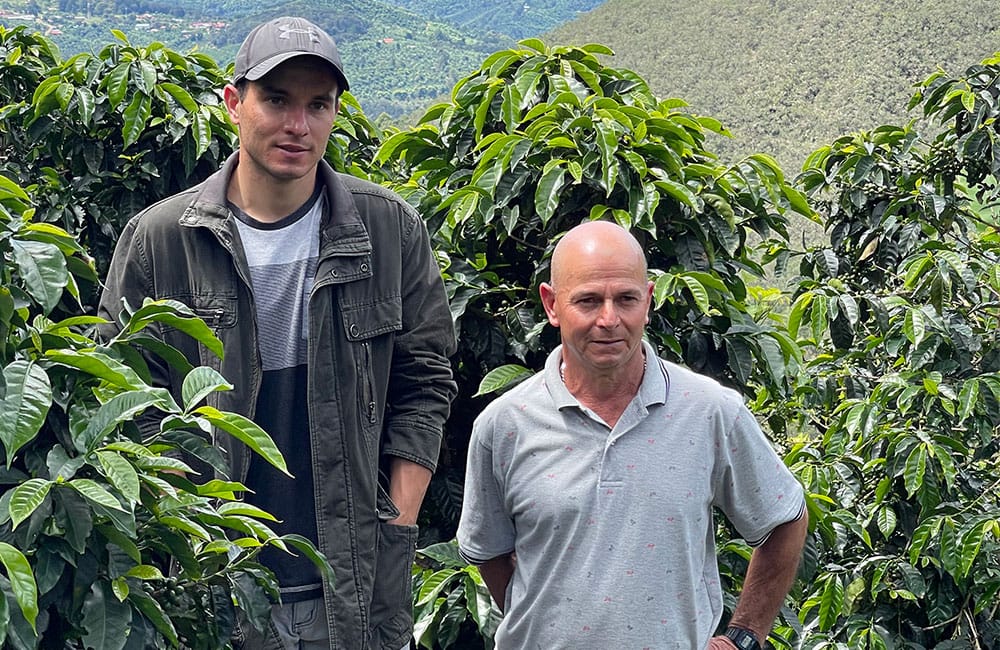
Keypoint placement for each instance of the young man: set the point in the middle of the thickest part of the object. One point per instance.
(337, 332)
(590, 487)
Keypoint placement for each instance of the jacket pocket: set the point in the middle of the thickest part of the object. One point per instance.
(392, 607)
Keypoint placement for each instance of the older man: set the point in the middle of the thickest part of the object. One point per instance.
(590, 487)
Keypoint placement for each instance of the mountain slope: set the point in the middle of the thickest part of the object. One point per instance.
(400, 55)
(787, 76)
(515, 18)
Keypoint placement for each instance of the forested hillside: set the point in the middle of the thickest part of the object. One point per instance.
(786, 76)
(404, 53)
(515, 18)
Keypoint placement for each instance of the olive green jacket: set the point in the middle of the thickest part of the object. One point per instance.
(380, 382)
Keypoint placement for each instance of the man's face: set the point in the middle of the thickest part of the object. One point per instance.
(285, 119)
(600, 303)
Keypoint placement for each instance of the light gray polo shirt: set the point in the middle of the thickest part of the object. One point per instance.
(613, 528)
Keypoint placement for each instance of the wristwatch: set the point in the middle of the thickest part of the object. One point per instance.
(743, 639)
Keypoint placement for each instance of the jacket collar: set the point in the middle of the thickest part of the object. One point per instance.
(342, 231)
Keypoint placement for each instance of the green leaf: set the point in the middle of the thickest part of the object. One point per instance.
(534, 44)
(186, 525)
(117, 83)
(199, 383)
(136, 115)
(147, 76)
(502, 378)
(99, 365)
(22, 581)
(306, 547)
(247, 432)
(679, 192)
(740, 358)
(818, 320)
(176, 315)
(25, 406)
(220, 489)
(85, 104)
(443, 553)
(122, 408)
(607, 144)
(967, 399)
(913, 325)
(854, 591)
(969, 100)
(42, 267)
(698, 292)
(770, 350)
(796, 313)
(105, 619)
(96, 493)
(26, 498)
(547, 193)
(435, 583)
(244, 509)
(201, 131)
(831, 603)
(152, 611)
(145, 572)
(181, 95)
(10, 190)
(121, 474)
(849, 308)
(913, 470)
(972, 541)
(921, 536)
(950, 548)
(886, 521)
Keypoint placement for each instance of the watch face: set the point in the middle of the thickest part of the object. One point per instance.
(742, 639)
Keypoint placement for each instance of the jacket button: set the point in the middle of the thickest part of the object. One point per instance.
(333, 273)
(364, 267)
(354, 329)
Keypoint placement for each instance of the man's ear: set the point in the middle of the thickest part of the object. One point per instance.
(649, 298)
(231, 98)
(548, 296)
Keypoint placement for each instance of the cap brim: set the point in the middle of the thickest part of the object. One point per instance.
(261, 69)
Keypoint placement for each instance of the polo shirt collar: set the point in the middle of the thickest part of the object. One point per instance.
(653, 389)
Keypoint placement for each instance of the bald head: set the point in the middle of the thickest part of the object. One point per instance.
(599, 298)
(596, 241)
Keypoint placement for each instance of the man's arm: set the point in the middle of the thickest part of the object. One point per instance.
(408, 483)
(772, 570)
(496, 574)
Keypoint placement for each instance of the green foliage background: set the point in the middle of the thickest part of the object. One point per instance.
(876, 372)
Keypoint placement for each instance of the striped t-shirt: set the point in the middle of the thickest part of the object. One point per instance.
(282, 257)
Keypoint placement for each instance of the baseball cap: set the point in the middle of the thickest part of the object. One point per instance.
(272, 43)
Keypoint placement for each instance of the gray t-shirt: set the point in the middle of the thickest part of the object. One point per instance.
(613, 529)
(282, 259)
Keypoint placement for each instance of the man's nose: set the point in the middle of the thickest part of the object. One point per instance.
(609, 314)
(295, 121)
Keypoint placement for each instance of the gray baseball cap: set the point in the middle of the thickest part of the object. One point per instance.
(272, 43)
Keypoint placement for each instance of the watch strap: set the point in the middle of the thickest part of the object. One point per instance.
(743, 639)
